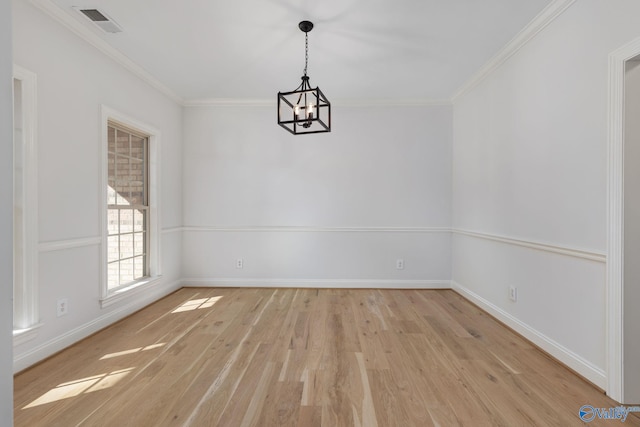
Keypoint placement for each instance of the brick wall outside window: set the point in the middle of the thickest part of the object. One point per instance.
(128, 206)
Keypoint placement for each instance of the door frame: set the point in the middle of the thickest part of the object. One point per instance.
(615, 220)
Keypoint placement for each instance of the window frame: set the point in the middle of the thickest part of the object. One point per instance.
(111, 296)
(142, 206)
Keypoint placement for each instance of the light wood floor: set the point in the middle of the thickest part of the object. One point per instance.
(306, 357)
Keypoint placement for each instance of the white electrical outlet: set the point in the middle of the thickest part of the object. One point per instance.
(239, 263)
(513, 293)
(399, 264)
(62, 307)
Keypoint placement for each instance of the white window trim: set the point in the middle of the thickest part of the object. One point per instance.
(108, 297)
(28, 323)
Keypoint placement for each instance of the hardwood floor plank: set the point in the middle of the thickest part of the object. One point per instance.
(258, 400)
(305, 357)
(389, 409)
(310, 416)
(372, 349)
(368, 414)
(281, 405)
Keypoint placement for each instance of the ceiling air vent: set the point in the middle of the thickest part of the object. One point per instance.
(101, 20)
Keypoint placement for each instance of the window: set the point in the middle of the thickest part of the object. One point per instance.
(127, 206)
(129, 196)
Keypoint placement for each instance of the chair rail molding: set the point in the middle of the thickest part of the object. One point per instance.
(537, 245)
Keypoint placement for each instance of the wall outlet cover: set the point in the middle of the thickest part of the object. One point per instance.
(62, 307)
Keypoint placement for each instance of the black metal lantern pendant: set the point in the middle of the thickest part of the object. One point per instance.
(306, 109)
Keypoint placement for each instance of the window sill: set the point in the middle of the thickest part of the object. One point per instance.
(21, 336)
(127, 292)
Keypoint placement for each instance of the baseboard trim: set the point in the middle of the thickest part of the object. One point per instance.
(573, 361)
(59, 343)
(316, 283)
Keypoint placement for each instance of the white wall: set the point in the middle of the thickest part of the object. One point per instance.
(74, 80)
(6, 215)
(529, 162)
(632, 233)
(332, 209)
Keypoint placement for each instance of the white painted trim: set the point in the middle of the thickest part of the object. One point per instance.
(59, 245)
(540, 246)
(54, 345)
(540, 22)
(583, 367)
(316, 283)
(84, 32)
(615, 219)
(22, 336)
(401, 102)
(312, 229)
(360, 103)
(229, 102)
(127, 292)
(155, 139)
(537, 245)
(28, 313)
(172, 230)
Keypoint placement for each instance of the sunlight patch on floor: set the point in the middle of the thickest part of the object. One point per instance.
(132, 351)
(196, 304)
(77, 387)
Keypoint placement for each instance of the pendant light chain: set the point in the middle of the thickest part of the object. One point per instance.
(306, 52)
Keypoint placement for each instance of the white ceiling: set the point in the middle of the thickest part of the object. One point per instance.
(358, 50)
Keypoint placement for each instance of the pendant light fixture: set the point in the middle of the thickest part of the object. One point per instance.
(306, 109)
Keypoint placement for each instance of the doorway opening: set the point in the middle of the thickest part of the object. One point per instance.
(623, 236)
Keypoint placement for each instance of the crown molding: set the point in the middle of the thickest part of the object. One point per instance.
(233, 102)
(229, 102)
(314, 229)
(540, 22)
(400, 102)
(59, 15)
